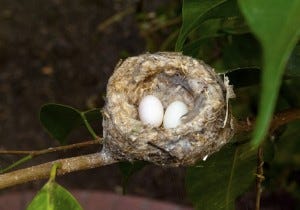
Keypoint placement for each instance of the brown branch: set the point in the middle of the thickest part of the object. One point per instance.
(259, 177)
(52, 149)
(67, 165)
(283, 118)
(84, 162)
(279, 119)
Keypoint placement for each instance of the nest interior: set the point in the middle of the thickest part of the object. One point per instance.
(170, 77)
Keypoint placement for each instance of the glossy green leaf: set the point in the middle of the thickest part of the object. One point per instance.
(59, 120)
(128, 169)
(276, 24)
(53, 197)
(216, 183)
(194, 12)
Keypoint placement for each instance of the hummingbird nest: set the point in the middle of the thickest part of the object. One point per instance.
(206, 127)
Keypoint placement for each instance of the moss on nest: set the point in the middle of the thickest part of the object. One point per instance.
(168, 76)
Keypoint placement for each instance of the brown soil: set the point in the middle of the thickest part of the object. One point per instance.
(51, 51)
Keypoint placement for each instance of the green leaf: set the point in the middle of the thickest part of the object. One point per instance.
(194, 12)
(276, 24)
(128, 169)
(59, 120)
(53, 197)
(215, 183)
(293, 65)
(241, 51)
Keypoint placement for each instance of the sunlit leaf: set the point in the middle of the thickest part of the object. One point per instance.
(53, 197)
(276, 24)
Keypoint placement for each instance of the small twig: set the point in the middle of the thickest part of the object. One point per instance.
(259, 177)
(278, 120)
(33, 153)
(166, 24)
(115, 18)
(52, 149)
(67, 165)
(283, 118)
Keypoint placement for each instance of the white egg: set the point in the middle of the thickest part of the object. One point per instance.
(151, 111)
(173, 114)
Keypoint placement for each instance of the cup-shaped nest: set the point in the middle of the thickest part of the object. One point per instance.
(169, 76)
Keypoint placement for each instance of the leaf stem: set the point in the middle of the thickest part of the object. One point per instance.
(53, 171)
(88, 126)
(17, 163)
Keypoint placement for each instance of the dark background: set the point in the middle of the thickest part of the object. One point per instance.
(53, 51)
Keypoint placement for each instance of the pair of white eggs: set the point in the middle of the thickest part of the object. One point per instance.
(151, 112)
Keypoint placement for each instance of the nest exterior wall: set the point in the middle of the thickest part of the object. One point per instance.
(170, 77)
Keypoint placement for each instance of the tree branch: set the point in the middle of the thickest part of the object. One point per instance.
(42, 171)
(84, 162)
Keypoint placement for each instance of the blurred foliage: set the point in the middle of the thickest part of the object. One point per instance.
(265, 18)
(251, 41)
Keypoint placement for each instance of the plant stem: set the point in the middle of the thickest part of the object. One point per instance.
(17, 163)
(259, 177)
(88, 126)
(53, 171)
(42, 171)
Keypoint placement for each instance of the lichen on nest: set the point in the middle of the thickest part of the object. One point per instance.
(169, 76)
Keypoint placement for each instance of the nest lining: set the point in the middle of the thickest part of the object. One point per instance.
(170, 77)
